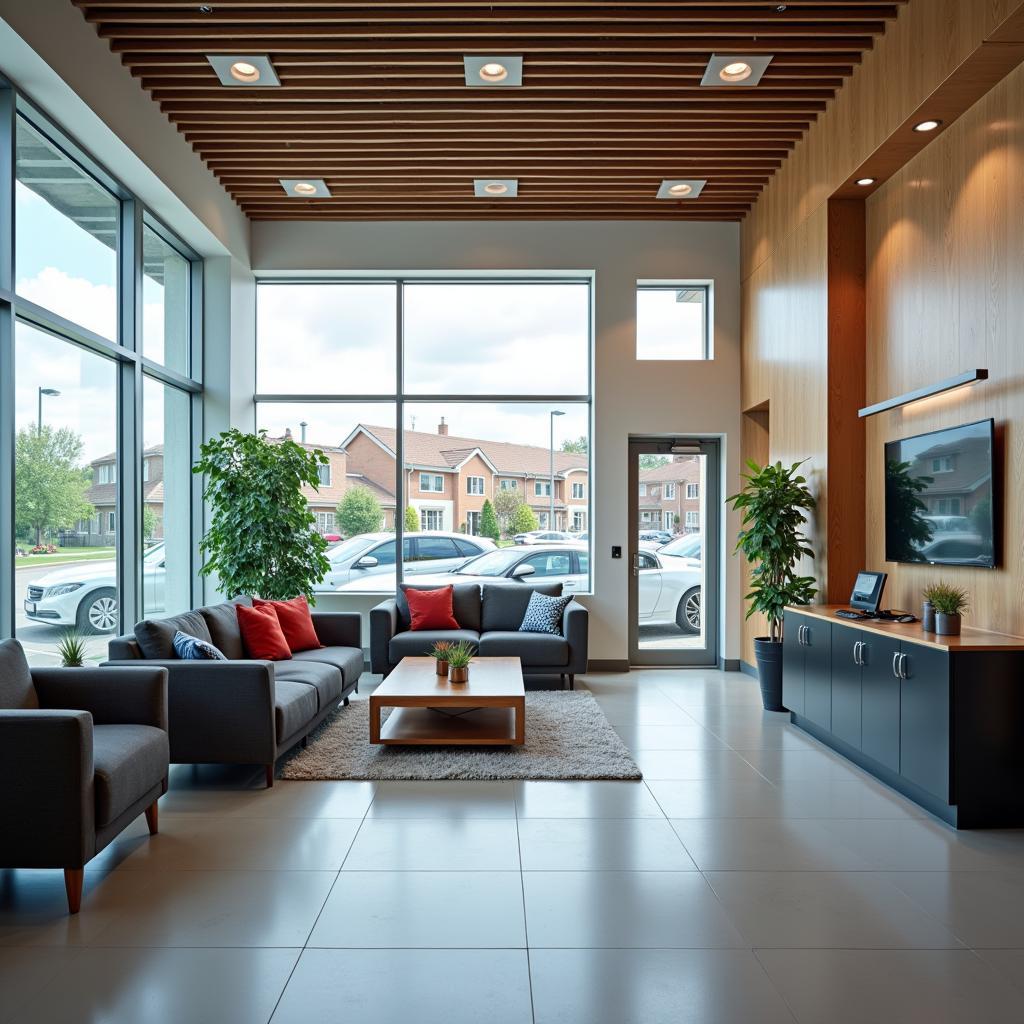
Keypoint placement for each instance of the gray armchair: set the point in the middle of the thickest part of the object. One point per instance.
(83, 752)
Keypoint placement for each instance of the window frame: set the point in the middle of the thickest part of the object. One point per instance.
(125, 350)
(707, 346)
(320, 474)
(436, 478)
(670, 491)
(693, 492)
(470, 481)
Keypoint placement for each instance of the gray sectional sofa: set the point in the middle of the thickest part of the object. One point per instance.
(244, 711)
(489, 615)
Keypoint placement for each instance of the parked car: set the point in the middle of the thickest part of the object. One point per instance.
(658, 536)
(332, 538)
(669, 589)
(545, 537)
(958, 549)
(84, 595)
(949, 524)
(373, 554)
(688, 545)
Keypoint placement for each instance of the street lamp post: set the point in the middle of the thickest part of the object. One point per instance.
(551, 481)
(50, 393)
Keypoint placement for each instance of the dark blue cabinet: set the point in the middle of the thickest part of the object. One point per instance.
(794, 662)
(925, 718)
(817, 673)
(880, 700)
(847, 654)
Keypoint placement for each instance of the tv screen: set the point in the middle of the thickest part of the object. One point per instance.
(939, 505)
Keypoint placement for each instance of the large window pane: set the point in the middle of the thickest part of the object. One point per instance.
(167, 499)
(485, 339)
(326, 338)
(66, 236)
(165, 301)
(671, 322)
(65, 494)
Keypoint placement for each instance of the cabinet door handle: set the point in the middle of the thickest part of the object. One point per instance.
(800, 635)
(807, 635)
(895, 664)
(903, 667)
(856, 653)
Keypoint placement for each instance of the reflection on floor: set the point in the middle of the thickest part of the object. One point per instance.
(752, 877)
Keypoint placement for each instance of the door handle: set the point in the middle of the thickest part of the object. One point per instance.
(895, 664)
(636, 563)
(903, 667)
(856, 653)
(807, 636)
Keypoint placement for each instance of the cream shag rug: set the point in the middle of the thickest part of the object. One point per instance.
(567, 737)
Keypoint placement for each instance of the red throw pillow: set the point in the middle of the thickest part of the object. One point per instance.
(430, 609)
(296, 622)
(262, 635)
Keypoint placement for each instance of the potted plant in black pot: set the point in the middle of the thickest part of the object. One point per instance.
(774, 500)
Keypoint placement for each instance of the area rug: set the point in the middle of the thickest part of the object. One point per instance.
(567, 737)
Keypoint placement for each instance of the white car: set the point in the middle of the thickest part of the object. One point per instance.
(373, 554)
(85, 595)
(669, 588)
(545, 537)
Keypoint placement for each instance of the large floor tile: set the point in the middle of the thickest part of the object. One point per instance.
(844, 798)
(406, 844)
(444, 800)
(306, 799)
(585, 800)
(25, 972)
(202, 843)
(425, 986)
(164, 986)
(717, 798)
(600, 844)
(800, 765)
(695, 764)
(982, 908)
(809, 909)
(1009, 963)
(423, 909)
(625, 909)
(653, 986)
(764, 844)
(669, 737)
(849, 986)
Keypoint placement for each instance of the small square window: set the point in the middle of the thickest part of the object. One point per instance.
(672, 321)
(693, 490)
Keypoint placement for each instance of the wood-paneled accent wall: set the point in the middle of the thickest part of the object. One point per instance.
(945, 293)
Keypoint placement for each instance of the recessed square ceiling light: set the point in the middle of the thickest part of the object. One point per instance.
(735, 70)
(493, 72)
(496, 188)
(305, 188)
(681, 188)
(240, 70)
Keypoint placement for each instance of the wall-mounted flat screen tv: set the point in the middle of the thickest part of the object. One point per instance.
(939, 497)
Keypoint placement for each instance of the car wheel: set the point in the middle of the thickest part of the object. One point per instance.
(98, 612)
(688, 612)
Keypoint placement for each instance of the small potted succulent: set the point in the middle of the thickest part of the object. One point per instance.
(928, 609)
(71, 650)
(459, 657)
(439, 652)
(949, 603)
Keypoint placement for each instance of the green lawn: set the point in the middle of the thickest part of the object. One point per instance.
(64, 556)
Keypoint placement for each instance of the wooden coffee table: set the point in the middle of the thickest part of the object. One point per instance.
(489, 710)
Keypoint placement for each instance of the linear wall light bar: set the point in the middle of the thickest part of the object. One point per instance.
(959, 381)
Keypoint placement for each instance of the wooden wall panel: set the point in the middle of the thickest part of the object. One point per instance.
(945, 252)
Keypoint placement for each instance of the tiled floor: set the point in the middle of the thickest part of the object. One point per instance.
(753, 877)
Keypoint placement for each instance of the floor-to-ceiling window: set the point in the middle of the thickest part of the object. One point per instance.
(456, 414)
(99, 386)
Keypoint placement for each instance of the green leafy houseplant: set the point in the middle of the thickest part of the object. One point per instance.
(261, 539)
(949, 603)
(460, 656)
(71, 649)
(439, 652)
(774, 501)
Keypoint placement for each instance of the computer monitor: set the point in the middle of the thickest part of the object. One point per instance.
(867, 591)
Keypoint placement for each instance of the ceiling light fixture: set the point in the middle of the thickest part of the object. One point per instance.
(865, 181)
(238, 70)
(735, 69)
(305, 188)
(681, 188)
(927, 126)
(495, 188)
(493, 72)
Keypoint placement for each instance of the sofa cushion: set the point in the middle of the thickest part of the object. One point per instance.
(348, 659)
(295, 706)
(262, 636)
(16, 690)
(413, 645)
(156, 636)
(544, 614)
(296, 622)
(191, 648)
(465, 605)
(430, 609)
(534, 650)
(128, 760)
(504, 604)
(222, 622)
(324, 678)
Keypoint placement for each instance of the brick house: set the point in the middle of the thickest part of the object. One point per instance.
(449, 478)
(99, 531)
(670, 497)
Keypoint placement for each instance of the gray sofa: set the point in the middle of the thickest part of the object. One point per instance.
(244, 711)
(83, 752)
(489, 616)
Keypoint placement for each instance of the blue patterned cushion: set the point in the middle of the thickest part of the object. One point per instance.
(191, 648)
(544, 614)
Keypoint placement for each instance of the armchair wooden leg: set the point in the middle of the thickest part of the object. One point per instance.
(572, 681)
(73, 878)
(270, 775)
(152, 819)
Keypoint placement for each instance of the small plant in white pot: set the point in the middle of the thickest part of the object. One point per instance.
(774, 501)
(949, 603)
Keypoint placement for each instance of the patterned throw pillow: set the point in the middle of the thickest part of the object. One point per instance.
(191, 648)
(544, 614)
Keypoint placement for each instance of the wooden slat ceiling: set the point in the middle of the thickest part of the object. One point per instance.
(373, 99)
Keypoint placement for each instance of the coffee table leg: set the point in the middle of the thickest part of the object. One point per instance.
(374, 721)
(520, 716)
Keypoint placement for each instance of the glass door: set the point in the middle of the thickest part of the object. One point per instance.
(673, 551)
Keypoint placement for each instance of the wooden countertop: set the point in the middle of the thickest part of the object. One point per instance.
(970, 640)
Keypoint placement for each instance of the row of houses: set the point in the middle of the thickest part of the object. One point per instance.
(670, 495)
